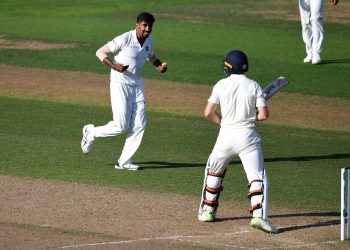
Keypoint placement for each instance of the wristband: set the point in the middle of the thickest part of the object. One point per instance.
(157, 63)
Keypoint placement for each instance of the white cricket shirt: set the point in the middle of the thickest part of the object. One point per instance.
(238, 97)
(128, 51)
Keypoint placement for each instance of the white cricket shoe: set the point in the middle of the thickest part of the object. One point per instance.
(88, 138)
(206, 216)
(128, 166)
(308, 58)
(263, 225)
(316, 59)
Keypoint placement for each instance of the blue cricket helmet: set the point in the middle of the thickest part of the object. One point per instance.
(235, 62)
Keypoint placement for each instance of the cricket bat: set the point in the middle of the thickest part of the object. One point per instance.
(274, 87)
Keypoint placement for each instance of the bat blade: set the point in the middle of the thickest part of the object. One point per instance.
(274, 87)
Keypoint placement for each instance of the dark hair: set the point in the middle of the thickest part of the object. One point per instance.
(145, 17)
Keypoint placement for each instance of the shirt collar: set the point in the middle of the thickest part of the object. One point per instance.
(134, 37)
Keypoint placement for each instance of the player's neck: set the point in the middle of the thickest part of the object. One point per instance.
(141, 41)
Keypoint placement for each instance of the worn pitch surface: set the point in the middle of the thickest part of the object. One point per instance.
(42, 214)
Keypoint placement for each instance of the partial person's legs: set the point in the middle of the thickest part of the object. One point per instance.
(136, 131)
(213, 178)
(134, 138)
(253, 164)
(316, 9)
(214, 174)
(121, 103)
(304, 8)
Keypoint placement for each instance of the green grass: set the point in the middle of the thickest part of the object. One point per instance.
(192, 37)
(43, 141)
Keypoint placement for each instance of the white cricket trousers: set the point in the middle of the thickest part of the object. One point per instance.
(245, 143)
(311, 16)
(129, 113)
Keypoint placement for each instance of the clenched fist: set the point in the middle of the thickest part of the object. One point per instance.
(120, 67)
(163, 67)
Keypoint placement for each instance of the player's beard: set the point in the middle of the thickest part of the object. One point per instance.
(146, 34)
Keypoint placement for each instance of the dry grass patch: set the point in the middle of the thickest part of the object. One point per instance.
(47, 214)
(8, 43)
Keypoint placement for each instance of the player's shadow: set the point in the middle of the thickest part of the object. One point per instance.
(296, 227)
(308, 158)
(165, 164)
(335, 61)
(310, 225)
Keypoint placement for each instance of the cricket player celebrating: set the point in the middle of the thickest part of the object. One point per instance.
(131, 50)
(242, 103)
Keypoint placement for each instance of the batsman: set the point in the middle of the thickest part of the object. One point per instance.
(242, 103)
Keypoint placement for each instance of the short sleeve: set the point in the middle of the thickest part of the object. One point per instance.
(260, 99)
(117, 43)
(214, 97)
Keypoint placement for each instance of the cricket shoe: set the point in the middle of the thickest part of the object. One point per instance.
(308, 58)
(128, 166)
(88, 138)
(316, 59)
(263, 225)
(206, 216)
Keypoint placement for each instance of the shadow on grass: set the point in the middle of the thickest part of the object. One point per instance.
(165, 164)
(335, 61)
(309, 158)
(296, 227)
